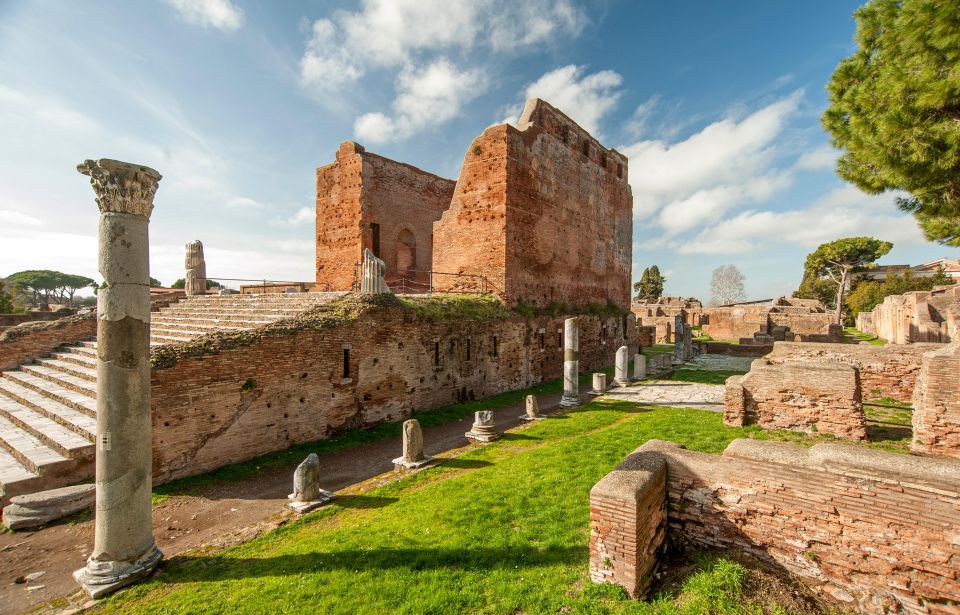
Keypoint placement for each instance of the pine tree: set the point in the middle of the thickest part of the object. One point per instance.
(650, 286)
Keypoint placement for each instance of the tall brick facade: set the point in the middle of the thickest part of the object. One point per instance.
(544, 211)
(920, 316)
(368, 201)
(541, 213)
(874, 531)
(936, 403)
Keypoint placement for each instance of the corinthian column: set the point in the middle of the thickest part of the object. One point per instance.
(124, 550)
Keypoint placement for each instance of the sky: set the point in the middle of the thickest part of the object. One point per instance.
(236, 102)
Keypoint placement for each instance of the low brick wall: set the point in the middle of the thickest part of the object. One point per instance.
(936, 403)
(799, 396)
(12, 320)
(874, 531)
(891, 370)
(25, 342)
(252, 393)
(737, 350)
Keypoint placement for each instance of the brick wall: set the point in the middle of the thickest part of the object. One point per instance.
(12, 320)
(799, 396)
(360, 190)
(735, 322)
(921, 316)
(628, 523)
(892, 370)
(284, 385)
(874, 531)
(23, 343)
(936, 403)
(544, 211)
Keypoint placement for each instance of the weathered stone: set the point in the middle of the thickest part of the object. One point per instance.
(639, 366)
(678, 328)
(195, 277)
(483, 429)
(372, 274)
(599, 383)
(43, 507)
(124, 549)
(687, 343)
(936, 403)
(571, 364)
(621, 373)
(307, 494)
(413, 456)
(532, 409)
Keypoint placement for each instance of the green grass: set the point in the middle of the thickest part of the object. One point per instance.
(852, 335)
(445, 308)
(658, 349)
(703, 376)
(501, 529)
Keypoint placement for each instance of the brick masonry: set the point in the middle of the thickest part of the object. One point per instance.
(874, 531)
(543, 211)
(936, 403)
(799, 396)
(891, 370)
(369, 201)
(921, 316)
(288, 387)
(24, 342)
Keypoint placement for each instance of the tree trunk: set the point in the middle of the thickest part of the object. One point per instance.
(840, 292)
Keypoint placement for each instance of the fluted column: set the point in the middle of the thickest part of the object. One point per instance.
(124, 549)
(571, 363)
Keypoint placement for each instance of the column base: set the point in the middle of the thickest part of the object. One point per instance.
(99, 579)
(400, 465)
(622, 383)
(527, 417)
(303, 508)
(569, 401)
(481, 438)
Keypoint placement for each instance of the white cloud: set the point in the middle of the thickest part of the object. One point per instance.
(301, 216)
(430, 95)
(243, 202)
(725, 153)
(391, 33)
(220, 14)
(824, 157)
(585, 98)
(16, 219)
(843, 212)
(636, 126)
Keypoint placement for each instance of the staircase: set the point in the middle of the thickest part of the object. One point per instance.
(48, 408)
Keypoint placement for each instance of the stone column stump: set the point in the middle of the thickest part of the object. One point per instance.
(532, 409)
(483, 429)
(412, 457)
(571, 364)
(599, 384)
(307, 494)
(621, 374)
(639, 366)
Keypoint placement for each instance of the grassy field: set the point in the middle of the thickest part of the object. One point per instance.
(855, 336)
(501, 529)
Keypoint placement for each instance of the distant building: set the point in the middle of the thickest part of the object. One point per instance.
(925, 270)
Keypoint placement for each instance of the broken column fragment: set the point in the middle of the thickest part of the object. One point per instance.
(621, 375)
(571, 363)
(195, 274)
(372, 274)
(483, 429)
(532, 409)
(599, 384)
(412, 457)
(307, 494)
(639, 366)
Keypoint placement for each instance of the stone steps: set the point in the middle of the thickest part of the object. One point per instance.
(48, 407)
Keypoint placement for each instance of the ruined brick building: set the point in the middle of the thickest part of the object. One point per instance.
(541, 213)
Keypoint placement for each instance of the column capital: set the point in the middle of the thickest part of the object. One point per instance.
(121, 187)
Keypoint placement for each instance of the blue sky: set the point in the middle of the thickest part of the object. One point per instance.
(237, 102)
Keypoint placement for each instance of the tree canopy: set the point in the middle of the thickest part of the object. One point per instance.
(894, 112)
(43, 285)
(833, 262)
(8, 304)
(726, 285)
(868, 294)
(650, 286)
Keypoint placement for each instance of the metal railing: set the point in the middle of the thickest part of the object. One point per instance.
(265, 284)
(421, 282)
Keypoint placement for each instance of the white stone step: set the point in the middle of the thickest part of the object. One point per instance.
(77, 358)
(71, 369)
(52, 434)
(78, 401)
(70, 418)
(28, 450)
(13, 472)
(73, 383)
(88, 344)
(83, 351)
(169, 339)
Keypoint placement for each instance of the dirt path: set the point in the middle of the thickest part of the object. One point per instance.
(216, 515)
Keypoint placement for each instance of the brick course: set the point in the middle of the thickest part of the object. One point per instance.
(891, 370)
(936, 403)
(285, 388)
(874, 531)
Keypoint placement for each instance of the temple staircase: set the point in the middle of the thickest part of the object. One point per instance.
(48, 407)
